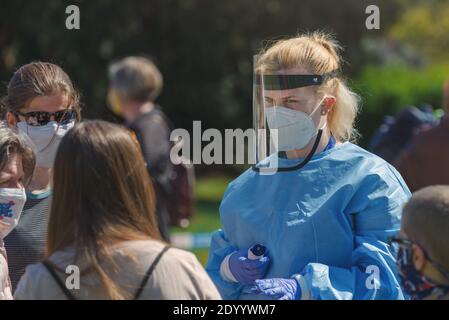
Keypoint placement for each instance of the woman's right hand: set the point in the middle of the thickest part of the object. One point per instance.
(244, 270)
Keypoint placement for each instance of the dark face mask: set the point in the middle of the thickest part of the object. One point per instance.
(415, 284)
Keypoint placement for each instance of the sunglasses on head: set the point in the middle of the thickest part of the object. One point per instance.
(41, 118)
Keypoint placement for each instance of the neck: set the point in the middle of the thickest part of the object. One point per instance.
(41, 180)
(134, 110)
(302, 153)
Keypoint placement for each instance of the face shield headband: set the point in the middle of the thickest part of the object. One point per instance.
(292, 81)
(286, 82)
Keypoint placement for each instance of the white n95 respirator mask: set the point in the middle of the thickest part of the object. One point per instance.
(46, 140)
(295, 129)
(11, 206)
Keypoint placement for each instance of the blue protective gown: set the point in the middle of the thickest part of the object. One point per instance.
(328, 221)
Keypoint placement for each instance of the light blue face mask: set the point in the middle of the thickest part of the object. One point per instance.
(45, 140)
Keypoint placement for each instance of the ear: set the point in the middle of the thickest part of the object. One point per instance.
(11, 120)
(328, 104)
(419, 258)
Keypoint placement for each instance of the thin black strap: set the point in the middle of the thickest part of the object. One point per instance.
(58, 280)
(296, 167)
(149, 272)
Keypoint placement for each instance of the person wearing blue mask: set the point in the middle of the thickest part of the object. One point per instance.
(17, 161)
(321, 206)
(422, 245)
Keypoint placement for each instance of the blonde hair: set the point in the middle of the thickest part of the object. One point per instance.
(136, 79)
(318, 53)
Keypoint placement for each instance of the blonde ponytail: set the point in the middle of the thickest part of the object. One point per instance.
(318, 53)
(344, 112)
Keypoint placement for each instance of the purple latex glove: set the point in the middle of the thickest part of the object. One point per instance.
(278, 288)
(245, 270)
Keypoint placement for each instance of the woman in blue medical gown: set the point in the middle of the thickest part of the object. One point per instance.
(322, 206)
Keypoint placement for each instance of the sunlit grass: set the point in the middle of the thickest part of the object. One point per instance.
(209, 192)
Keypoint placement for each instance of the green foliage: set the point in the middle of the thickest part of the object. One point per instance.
(387, 89)
(203, 48)
(425, 26)
(209, 192)
(211, 188)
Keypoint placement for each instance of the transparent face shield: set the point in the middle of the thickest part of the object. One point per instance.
(286, 116)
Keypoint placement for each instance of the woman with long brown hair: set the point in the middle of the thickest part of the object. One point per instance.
(102, 223)
(42, 103)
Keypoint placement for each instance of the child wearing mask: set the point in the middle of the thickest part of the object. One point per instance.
(42, 103)
(422, 245)
(17, 162)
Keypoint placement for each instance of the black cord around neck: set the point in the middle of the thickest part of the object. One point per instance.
(299, 165)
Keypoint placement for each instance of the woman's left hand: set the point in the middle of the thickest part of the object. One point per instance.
(278, 288)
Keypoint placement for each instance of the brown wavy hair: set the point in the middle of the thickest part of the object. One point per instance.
(13, 143)
(37, 79)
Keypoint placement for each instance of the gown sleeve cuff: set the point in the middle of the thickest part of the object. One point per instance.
(225, 272)
(305, 292)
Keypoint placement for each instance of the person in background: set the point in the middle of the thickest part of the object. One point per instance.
(422, 246)
(17, 161)
(396, 132)
(134, 85)
(425, 162)
(42, 103)
(102, 221)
